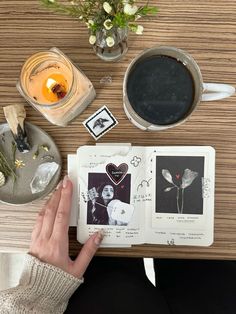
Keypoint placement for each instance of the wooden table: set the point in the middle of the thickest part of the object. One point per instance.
(205, 28)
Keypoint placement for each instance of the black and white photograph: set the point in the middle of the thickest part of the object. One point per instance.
(107, 201)
(179, 184)
(100, 122)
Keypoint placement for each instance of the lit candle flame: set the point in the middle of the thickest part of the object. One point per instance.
(50, 83)
(55, 87)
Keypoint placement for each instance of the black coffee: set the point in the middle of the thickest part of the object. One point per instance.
(160, 89)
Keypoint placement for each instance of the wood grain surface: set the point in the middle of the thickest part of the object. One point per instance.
(205, 28)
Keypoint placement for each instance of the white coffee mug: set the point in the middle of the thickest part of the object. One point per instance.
(202, 91)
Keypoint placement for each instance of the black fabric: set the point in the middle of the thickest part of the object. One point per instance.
(116, 286)
(120, 286)
(198, 286)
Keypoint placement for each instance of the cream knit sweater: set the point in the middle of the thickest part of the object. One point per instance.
(43, 289)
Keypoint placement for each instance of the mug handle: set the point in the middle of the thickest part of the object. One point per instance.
(216, 91)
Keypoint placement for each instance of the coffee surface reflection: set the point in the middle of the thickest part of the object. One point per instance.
(160, 89)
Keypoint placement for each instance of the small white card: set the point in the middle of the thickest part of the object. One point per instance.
(120, 212)
(100, 122)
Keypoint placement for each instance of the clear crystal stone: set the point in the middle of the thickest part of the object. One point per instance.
(106, 79)
(43, 176)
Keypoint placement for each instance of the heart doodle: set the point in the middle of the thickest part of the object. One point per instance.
(116, 174)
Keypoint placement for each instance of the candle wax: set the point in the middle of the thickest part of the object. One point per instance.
(50, 83)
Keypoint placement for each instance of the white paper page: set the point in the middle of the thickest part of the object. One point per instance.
(182, 209)
(96, 165)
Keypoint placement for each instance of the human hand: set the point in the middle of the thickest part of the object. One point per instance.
(50, 241)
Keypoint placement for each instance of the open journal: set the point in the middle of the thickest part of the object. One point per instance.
(158, 195)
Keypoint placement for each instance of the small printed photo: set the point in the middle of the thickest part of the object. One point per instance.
(107, 203)
(179, 184)
(100, 122)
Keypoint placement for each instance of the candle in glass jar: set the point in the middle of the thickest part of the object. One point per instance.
(53, 85)
(50, 83)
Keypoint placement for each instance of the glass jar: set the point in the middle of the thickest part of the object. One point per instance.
(118, 49)
(79, 91)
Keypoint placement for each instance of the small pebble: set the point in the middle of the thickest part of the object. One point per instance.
(106, 79)
(2, 179)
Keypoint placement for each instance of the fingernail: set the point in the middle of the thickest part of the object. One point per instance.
(59, 185)
(65, 180)
(99, 237)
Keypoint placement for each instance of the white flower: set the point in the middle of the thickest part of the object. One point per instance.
(135, 161)
(52, 1)
(139, 30)
(92, 39)
(137, 17)
(90, 23)
(188, 178)
(108, 24)
(125, 1)
(110, 41)
(130, 9)
(107, 7)
(167, 175)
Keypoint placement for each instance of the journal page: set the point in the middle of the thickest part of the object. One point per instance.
(108, 177)
(182, 210)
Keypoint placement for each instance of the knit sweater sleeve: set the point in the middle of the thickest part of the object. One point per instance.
(42, 289)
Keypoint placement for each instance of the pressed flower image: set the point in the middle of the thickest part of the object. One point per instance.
(179, 184)
(187, 179)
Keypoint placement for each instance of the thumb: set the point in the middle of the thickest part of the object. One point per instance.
(86, 254)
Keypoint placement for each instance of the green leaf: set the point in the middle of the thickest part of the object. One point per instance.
(93, 9)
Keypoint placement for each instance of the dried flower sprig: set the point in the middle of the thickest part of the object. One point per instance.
(19, 164)
(100, 14)
(44, 147)
(6, 168)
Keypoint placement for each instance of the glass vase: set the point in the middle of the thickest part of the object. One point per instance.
(117, 50)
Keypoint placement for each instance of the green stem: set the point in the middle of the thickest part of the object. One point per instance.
(5, 167)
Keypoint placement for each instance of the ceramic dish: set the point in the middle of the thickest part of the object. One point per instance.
(19, 193)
